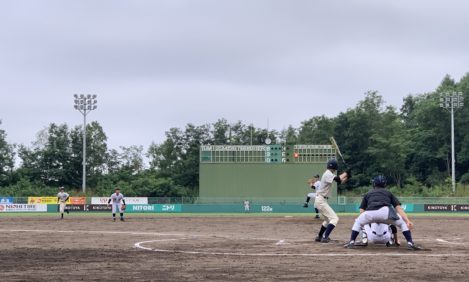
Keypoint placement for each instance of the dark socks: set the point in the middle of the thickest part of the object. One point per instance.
(122, 215)
(307, 199)
(317, 211)
(393, 229)
(408, 236)
(321, 231)
(113, 215)
(329, 229)
(354, 235)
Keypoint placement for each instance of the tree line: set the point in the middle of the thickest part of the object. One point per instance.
(410, 145)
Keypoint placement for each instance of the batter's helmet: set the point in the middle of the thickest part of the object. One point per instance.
(332, 164)
(379, 181)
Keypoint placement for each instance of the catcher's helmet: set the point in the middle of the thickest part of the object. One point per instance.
(379, 181)
(332, 164)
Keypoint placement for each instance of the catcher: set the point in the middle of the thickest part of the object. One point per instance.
(380, 205)
(116, 200)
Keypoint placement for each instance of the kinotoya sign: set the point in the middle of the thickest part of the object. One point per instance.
(23, 208)
(128, 200)
(446, 208)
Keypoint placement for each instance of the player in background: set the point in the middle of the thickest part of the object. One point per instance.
(322, 195)
(116, 200)
(314, 183)
(380, 205)
(62, 198)
(247, 206)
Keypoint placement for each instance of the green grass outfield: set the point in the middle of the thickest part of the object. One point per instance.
(107, 214)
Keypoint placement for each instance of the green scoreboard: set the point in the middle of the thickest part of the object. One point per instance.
(261, 171)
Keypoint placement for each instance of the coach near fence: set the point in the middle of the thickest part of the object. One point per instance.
(220, 248)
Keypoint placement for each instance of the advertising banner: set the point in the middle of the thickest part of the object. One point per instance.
(6, 200)
(77, 200)
(408, 207)
(76, 208)
(98, 208)
(23, 208)
(128, 200)
(44, 200)
(155, 208)
(446, 208)
(99, 200)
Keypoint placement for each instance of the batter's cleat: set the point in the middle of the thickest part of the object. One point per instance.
(114, 219)
(305, 205)
(317, 216)
(325, 240)
(350, 245)
(413, 247)
(317, 239)
(122, 219)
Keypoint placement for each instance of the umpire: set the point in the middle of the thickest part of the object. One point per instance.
(380, 206)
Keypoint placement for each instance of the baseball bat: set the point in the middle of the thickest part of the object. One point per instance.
(346, 175)
(334, 144)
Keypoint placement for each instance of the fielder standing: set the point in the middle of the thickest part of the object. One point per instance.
(116, 200)
(322, 195)
(62, 198)
(380, 205)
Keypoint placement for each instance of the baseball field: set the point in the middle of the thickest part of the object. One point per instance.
(221, 248)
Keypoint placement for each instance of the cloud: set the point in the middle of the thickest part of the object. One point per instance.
(162, 64)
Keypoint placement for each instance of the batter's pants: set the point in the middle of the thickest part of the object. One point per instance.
(327, 212)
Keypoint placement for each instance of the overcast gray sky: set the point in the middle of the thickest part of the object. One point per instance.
(161, 64)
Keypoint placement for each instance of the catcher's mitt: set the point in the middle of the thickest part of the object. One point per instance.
(122, 207)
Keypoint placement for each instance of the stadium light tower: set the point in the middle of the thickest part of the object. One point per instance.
(85, 104)
(452, 101)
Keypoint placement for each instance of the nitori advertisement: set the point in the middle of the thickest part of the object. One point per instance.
(23, 208)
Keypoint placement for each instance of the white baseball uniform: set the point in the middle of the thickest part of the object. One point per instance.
(322, 194)
(116, 202)
(62, 197)
(316, 186)
(378, 233)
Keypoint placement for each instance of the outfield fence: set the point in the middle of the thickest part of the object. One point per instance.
(222, 205)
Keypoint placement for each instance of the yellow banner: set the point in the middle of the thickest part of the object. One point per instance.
(44, 200)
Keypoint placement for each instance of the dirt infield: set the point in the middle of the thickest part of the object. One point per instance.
(221, 248)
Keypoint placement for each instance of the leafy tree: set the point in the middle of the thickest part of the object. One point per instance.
(7, 159)
(316, 130)
(96, 153)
